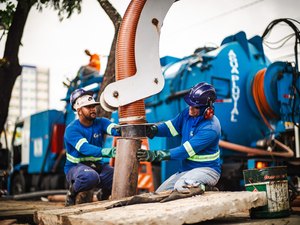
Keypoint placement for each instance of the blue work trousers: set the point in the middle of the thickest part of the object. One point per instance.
(85, 178)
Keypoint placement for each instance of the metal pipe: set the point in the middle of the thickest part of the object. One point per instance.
(126, 168)
(36, 194)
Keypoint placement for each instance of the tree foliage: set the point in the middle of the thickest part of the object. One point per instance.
(6, 15)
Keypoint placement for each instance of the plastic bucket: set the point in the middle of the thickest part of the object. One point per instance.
(272, 180)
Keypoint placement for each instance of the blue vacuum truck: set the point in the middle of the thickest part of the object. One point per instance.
(258, 106)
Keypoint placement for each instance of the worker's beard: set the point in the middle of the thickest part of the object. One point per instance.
(89, 116)
(194, 112)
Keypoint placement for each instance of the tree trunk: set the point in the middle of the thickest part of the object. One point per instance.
(109, 74)
(10, 68)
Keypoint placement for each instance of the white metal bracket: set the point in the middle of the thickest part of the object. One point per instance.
(148, 79)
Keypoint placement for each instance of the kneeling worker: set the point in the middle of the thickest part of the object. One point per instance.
(84, 139)
(199, 152)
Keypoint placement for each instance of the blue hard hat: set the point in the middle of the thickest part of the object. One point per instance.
(78, 93)
(202, 94)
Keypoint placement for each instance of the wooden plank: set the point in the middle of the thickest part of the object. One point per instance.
(11, 208)
(8, 222)
(195, 209)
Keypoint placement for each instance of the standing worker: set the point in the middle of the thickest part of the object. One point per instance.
(94, 60)
(199, 152)
(92, 69)
(84, 139)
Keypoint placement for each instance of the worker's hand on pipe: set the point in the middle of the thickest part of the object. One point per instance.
(151, 131)
(152, 156)
(118, 129)
(108, 152)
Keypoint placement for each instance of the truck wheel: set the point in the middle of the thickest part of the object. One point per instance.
(18, 184)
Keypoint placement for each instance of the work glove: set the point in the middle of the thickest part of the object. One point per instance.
(109, 152)
(151, 131)
(118, 130)
(152, 156)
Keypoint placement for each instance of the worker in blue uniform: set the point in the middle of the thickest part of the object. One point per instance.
(84, 139)
(199, 152)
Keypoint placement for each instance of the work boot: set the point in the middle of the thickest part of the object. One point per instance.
(191, 191)
(84, 197)
(211, 188)
(106, 194)
(103, 194)
(70, 197)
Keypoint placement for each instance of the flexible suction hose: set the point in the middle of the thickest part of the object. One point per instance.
(240, 148)
(133, 113)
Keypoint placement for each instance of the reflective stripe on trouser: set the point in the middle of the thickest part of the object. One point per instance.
(74, 159)
(85, 178)
(204, 175)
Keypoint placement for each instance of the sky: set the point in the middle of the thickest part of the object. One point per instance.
(189, 24)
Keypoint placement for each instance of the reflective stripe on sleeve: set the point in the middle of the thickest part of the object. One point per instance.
(172, 129)
(80, 143)
(83, 159)
(189, 149)
(205, 158)
(110, 126)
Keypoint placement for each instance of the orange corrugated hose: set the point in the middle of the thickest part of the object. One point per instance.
(133, 113)
(260, 98)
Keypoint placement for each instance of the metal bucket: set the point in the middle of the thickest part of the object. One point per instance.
(272, 180)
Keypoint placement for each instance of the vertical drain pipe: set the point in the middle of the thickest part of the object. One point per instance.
(131, 116)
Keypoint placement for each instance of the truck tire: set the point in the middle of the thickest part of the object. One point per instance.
(18, 184)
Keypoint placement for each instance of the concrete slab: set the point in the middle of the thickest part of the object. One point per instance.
(195, 209)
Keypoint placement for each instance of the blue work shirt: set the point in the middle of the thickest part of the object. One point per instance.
(85, 143)
(200, 140)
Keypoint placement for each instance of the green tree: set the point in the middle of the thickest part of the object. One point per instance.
(12, 22)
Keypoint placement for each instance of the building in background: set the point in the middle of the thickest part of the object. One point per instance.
(30, 94)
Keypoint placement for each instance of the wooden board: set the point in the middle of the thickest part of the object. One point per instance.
(195, 209)
(11, 208)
